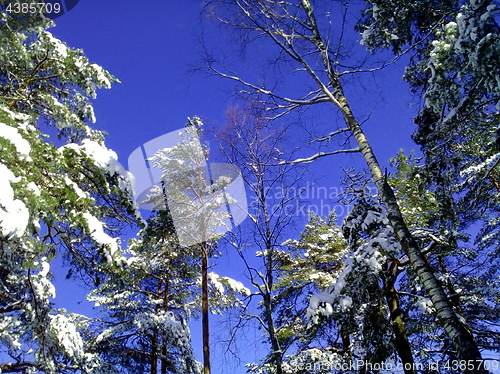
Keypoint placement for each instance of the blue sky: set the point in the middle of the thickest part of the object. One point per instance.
(150, 46)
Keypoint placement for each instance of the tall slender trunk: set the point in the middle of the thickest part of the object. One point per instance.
(165, 309)
(164, 355)
(154, 351)
(155, 347)
(276, 354)
(398, 326)
(204, 309)
(462, 339)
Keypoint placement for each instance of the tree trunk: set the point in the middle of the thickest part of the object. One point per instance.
(204, 309)
(154, 351)
(402, 344)
(462, 339)
(346, 342)
(164, 355)
(276, 353)
(165, 309)
(155, 337)
(454, 296)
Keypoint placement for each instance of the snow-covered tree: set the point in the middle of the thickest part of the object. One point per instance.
(309, 266)
(197, 200)
(147, 304)
(462, 266)
(361, 298)
(413, 317)
(308, 46)
(58, 197)
(455, 69)
(338, 297)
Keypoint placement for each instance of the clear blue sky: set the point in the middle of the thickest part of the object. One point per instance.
(149, 46)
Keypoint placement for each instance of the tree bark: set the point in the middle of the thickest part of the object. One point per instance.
(454, 296)
(462, 339)
(346, 342)
(164, 352)
(164, 355)
(276, 354)
(402, 344)
(18, 367)
(154, 351)
(204, 309)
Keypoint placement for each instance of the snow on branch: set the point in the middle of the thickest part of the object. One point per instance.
(318, 155)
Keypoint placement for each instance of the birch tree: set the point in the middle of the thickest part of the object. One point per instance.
(455, 69)
(303, 41)
(362, 297)
(462, 265)
(254, 146)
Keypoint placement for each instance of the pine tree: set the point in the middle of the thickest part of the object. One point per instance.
(148, 303)
(55, 199)
(197, 202)
(309, 266)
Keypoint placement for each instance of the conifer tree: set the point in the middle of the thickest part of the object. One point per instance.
(58, 196)
(147, 304)
(197, 202)
(309, 266)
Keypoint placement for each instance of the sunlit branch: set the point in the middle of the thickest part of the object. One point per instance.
(319, 155)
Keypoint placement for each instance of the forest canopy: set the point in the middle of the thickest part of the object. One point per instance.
(405, 281)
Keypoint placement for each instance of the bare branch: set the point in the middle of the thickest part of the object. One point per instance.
(330, 135)
(19, 367)
(296, 102)
(320, 154)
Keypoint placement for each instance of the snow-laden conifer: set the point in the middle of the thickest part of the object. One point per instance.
(57, 198)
